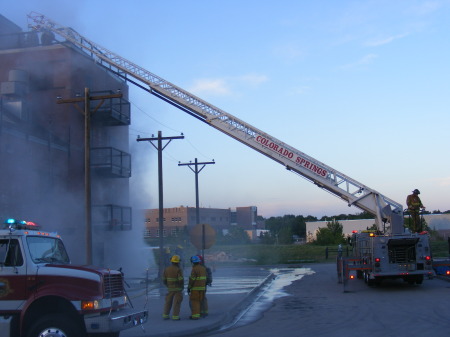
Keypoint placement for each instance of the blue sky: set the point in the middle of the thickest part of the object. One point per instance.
(362, 86)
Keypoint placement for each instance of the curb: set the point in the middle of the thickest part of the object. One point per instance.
(231, 317)
(226, 319)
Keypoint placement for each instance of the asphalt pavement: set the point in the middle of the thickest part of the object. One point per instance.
(233, 290)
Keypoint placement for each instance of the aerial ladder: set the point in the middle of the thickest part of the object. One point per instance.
(325, 177)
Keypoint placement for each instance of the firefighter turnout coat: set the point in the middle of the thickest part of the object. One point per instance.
(173, 279)
(197, 288)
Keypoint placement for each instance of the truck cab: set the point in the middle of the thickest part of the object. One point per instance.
(43, 294)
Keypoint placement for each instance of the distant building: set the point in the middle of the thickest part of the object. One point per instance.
(348, 226)
(178, 219)
(437, 222)
(246, 217)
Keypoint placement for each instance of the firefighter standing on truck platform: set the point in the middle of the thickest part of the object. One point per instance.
(414, 205)
(196, 287)
(174, 281)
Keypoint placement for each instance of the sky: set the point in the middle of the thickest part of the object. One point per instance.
(362, 86)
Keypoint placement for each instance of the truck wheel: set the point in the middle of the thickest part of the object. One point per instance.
(359, 274)
(55, 325)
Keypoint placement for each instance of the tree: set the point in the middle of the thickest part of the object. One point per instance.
(407, 222)
(357, 216)
(266, 239)
(330, 235)
(283, 228)
(236, 235)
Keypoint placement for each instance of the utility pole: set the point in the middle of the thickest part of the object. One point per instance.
(160, 149)
(87, 157)
(196, 170)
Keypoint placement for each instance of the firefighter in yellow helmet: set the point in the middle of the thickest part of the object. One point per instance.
(196, 287)
(414, 206)
(174, 281)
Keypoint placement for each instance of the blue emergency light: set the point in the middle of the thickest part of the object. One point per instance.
(16, 224)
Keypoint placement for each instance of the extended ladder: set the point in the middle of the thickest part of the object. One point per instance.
(325, 177)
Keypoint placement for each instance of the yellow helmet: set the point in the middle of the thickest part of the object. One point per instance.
(175, 259)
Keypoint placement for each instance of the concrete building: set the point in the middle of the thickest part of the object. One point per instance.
(42, 151)
(178, 219)
(348, 226)
(246, 217)
(437, 222)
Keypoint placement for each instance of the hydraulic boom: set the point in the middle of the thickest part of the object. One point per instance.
(325, 177)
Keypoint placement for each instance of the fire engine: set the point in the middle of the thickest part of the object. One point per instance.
(42, 294)
(389, 252)
(378, 256)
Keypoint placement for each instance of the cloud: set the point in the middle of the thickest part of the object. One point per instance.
(444, 181)
(210, 86)
(365, 60)
(385, 40)
(253, 79)
(224, 86)
(300, 90)
(289, 52)
(427, 7)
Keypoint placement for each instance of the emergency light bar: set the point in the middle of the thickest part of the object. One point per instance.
(16, 224)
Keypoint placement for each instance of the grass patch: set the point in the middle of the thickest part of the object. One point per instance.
(255, 254)
(272, 254)
(294, 254)
(440, 249)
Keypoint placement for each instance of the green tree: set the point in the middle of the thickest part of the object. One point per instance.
(235, 236)
(266, 238)
(330, 235)
(283, 228)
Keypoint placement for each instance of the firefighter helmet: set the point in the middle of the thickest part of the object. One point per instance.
(416, 191)
(195, 259)
(175, 259)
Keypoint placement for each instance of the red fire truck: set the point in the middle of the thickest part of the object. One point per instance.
(42, 294)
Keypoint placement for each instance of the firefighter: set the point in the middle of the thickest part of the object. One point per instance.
(414, 206)
(174, 281)
(196, 287)
(204, 304)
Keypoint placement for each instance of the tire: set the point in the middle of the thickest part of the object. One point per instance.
(56, 325)
(359, 274)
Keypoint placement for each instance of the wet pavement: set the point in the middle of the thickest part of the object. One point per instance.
(265, 294)
(238, 296)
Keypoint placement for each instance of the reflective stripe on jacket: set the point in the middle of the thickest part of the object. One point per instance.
(173, 278)
(413, 201)
(197, 280)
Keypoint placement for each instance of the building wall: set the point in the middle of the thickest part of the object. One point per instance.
(179, 218)
(348, 227)
(42, 142)
(246, 217)
(438, 222)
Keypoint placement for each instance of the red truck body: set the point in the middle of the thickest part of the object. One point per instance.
(41, 291)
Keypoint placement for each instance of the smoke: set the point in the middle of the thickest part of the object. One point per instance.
(129, 252)
(42, 172)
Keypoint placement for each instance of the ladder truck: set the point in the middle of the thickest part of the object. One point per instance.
(388, 252)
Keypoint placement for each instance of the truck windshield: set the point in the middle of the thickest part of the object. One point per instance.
(47, 250)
